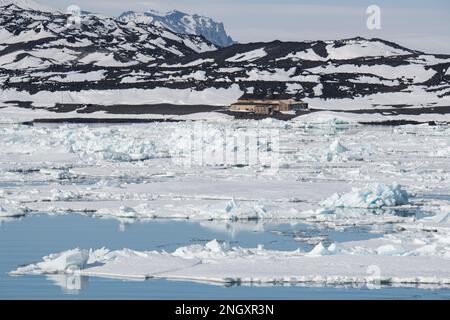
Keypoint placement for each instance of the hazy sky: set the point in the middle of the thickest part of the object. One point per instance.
(418, 24)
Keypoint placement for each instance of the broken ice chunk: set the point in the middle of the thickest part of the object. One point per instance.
(372, 196)
(63, 262)
(318, 251)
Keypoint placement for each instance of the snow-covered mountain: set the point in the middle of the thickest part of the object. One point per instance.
(27, 4)
(181, 22)
(111, 61)
(32, 40)
(341, 69)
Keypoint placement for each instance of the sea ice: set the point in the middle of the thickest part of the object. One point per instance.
(102, 144)
(372, 196)
(63, 262)
(318, 251)
(219, 263)
(10, 208)
(323, 119)
(338, 152)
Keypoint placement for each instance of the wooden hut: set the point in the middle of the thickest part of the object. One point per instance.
(267, 104)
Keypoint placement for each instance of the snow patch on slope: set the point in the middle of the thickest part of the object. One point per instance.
(209, 96)
(352, 49)
(248, 56)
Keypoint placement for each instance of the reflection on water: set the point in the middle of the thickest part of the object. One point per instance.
(71, 284)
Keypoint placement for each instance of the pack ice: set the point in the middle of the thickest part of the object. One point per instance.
(323, 172)
(329, 173)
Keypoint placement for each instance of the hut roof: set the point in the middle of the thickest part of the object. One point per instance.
(254, 104)
(265, 96)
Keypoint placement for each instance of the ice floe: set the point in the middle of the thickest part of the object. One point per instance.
(323, 119)
(215, 262)
(9, 208)
(338, 152)
(372, 196)
(66, 261)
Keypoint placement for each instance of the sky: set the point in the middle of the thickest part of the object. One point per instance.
(417, 24)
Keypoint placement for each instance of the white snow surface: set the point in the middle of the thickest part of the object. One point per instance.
(413, 72)
(362, 48)
(248, 56)
(220, 97)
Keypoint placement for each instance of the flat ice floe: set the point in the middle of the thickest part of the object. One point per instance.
(406, 258)
(11, 209)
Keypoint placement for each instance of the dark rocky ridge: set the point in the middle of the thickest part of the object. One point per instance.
(43, 55)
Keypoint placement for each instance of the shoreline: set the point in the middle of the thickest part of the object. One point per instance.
(149, 113)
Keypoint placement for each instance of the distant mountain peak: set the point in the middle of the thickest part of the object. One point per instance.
(181, 22)
(34, 39)
(27, 4)
(161, 13)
